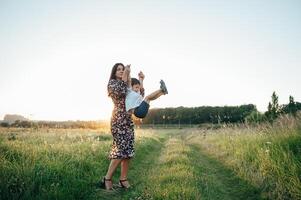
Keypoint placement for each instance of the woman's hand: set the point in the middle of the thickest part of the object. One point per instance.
(126, 74)
(127, 69)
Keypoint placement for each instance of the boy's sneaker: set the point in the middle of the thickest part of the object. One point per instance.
(163, 87)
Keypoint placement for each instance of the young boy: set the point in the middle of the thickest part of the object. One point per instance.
(134, 101)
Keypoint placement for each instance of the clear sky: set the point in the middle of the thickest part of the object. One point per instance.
(56, 55)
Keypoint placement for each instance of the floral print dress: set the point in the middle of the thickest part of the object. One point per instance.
(122, 126)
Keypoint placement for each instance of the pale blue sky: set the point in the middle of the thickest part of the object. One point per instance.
(56, 56)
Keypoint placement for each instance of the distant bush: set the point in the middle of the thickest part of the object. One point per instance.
(23, 124)
(55, 124)
(4, 124)
(255, 117)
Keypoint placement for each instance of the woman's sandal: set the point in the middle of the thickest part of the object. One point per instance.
(103, 183)
(121, 184)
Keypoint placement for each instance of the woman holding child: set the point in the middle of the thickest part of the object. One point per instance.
(122, 126)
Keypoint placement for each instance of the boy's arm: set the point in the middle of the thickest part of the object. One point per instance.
(141, 78)
(142, 91)
(141, 83)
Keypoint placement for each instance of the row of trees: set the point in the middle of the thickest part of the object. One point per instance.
(275, 110)
(198, 115)
(225, 114)
(183, 115)
(54, 124)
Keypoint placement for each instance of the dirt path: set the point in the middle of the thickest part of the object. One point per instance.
(174, 169)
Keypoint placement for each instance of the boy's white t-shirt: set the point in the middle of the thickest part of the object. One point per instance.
(132, 100)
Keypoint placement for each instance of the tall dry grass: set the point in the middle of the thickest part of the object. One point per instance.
(267, 155)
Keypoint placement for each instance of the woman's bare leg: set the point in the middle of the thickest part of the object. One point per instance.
(113, 166)
(124, 171)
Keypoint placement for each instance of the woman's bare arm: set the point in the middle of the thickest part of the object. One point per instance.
(126, 74)
(129, 82)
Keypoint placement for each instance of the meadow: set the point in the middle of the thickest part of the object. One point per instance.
(231, 162)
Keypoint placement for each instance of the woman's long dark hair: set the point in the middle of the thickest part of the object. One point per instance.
(113, 72)
(114, 69)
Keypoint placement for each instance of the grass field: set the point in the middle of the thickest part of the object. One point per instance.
(262, 162)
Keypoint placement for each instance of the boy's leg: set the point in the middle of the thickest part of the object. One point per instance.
(153, 96)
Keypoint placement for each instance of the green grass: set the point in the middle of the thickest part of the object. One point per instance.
(266, 157)
(66, 164)
(231, 163)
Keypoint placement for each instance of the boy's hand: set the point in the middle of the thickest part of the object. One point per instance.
(141, 75)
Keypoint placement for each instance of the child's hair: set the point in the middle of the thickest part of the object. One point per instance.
(134, 81)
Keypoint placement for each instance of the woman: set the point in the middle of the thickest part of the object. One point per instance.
(122, 127)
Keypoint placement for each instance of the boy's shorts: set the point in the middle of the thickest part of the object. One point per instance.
(141, 110)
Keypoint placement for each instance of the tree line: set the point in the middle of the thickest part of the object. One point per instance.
(184, 115)
(199, 115)
(56, 124)
(221, 114)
